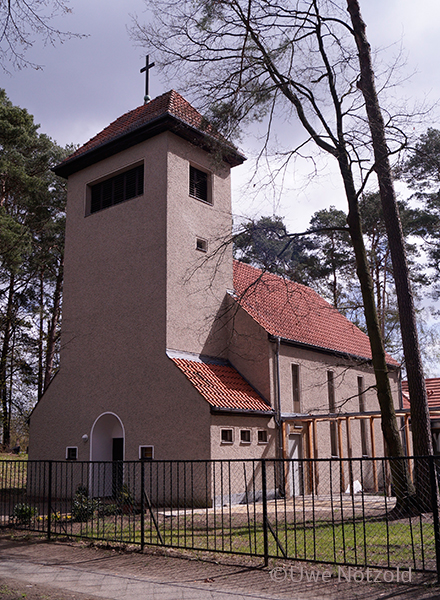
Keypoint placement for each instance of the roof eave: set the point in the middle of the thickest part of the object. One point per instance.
(165, 122)
(330, 351)
(243, 411)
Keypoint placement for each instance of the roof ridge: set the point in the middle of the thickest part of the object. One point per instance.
(286, 279)
(146, 117)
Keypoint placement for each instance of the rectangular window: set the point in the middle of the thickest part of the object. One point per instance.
(295, 389)
(332, 409)
(119, 188)
(245, 436)
(71, 453)
(198, 184)
(227, 436)
(262, 436)
(364, 425)
(146, 452)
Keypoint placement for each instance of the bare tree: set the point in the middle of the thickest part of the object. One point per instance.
(21, 20)
(245, 60)
(420, 420)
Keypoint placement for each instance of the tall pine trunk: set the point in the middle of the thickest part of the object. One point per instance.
(420, 421)
(52, 333)
(4, 396)
(403, 487)
(40, 336)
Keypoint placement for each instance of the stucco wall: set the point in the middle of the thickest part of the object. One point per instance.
(249, 350)
(197, 281)
(239, 450)
(114, 331)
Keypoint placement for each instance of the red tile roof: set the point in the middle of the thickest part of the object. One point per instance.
(432, 390)
(296, 313)
(221, 385)
(170, 104)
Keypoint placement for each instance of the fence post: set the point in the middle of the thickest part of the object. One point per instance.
(265, 536)
(435, 512)
(49, 502)
(142, 505)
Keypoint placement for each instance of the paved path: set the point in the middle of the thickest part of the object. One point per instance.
(112, 575)
(115, 587)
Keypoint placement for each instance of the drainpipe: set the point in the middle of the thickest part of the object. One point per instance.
(282, 488)
(278, 398)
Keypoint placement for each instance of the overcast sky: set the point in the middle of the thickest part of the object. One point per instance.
(87, 83)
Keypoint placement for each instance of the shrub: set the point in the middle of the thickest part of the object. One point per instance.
(108, 510)
(83, 507)
(126, 499)
(23, 513)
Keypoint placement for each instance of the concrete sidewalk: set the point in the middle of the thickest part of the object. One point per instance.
(115, 587)
(114, 575)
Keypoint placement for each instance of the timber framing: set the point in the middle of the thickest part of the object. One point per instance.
(307, 426)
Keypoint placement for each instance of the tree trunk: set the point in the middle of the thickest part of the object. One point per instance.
(41, 337)
(7, 328)
(52, 333)
(334, 283)
(420, 421)
(402, 482)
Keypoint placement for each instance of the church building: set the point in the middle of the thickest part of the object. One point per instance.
(170, 349)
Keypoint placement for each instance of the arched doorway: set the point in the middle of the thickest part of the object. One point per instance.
(107, 444)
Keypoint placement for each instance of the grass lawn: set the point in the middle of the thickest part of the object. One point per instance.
(405, 543)
(12, 456)
(388, 544)
(13, 471)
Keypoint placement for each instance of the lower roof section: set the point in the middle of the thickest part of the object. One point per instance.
(220, 384)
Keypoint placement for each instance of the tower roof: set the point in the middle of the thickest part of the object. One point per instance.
(168, 112)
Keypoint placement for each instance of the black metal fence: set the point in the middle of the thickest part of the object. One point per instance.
(380, 513)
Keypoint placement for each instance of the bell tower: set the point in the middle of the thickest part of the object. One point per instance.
(146, 272)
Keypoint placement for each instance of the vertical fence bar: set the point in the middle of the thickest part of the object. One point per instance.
(142, 505)
(49, 501)
(3, 467)
(264, 489)
(434, 501)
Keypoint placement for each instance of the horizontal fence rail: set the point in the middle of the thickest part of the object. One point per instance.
(380, 513)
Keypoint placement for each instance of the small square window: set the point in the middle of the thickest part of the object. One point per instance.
(146, 452)
(262, 436)
(199, 184)
(201, 245)
(245, 436)
(227, 436)
(71, 453)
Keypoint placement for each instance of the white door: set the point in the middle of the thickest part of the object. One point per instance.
(295, 471)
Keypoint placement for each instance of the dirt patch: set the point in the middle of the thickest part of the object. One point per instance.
(10, 589)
